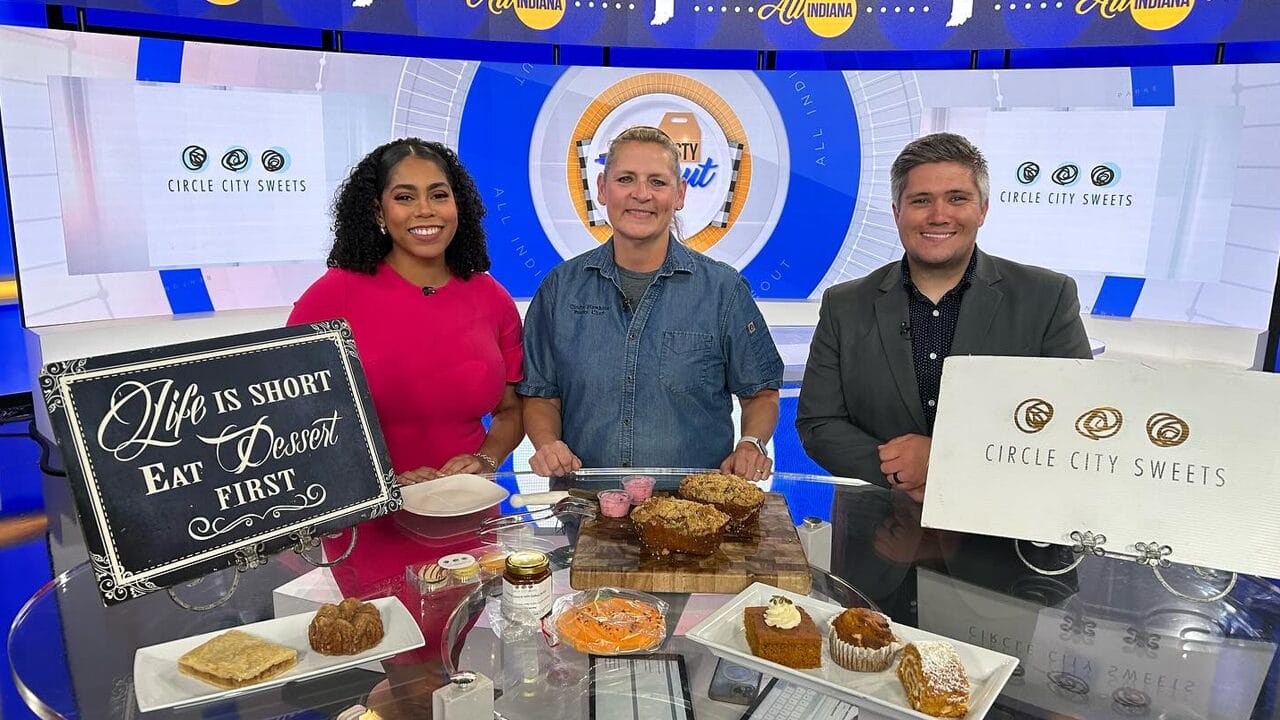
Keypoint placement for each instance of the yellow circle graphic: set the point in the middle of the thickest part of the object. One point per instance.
(540, 14)
(830, 18)
(1160, 14)
(222, 2)
(671, 84)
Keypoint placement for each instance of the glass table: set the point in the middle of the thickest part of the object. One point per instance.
(1102, 640)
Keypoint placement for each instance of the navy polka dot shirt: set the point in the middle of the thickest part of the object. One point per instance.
(932, 328)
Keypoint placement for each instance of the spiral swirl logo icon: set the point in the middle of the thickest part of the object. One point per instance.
(194, 157)
(1066, 684)
(1167, 430)
(1067, 174)
(1100, 423)
(1028, 172)
(1127, 701)
(236, 159)
(1104, 175)
(1032, 415)
(275, 159)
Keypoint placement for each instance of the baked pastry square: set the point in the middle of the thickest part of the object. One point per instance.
(794, 647)
(236, 659)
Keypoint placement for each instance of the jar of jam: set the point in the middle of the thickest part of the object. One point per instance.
(526, 586)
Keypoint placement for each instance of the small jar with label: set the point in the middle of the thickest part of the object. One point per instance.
(526, 587)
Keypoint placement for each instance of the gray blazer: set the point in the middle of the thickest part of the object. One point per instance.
(860, 384)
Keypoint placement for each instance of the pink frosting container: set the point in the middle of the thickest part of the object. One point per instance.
(639, 488)
(615, 503)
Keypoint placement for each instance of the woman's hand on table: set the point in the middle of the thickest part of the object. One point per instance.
(464, 463)
(422, 474)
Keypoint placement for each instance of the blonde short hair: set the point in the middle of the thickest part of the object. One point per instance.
(645, 134)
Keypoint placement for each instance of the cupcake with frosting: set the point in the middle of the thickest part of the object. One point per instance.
(862, 640)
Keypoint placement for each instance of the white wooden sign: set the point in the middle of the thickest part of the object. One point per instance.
(1173, 455)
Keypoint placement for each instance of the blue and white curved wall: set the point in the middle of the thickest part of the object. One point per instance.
(1165, 215)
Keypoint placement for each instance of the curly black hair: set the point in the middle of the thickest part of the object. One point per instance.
(357, 243)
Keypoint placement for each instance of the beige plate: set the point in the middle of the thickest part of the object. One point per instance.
(453, 495)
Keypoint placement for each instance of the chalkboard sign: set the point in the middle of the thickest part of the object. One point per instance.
(189, 458)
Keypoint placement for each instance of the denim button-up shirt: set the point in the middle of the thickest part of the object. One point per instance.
(648, 388)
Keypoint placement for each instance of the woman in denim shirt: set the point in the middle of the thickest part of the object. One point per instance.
(633, 349)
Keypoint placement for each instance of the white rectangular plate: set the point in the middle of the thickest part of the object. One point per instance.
(723, 633)
(158, 683)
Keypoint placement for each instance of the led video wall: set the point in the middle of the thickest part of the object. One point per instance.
(152, 176)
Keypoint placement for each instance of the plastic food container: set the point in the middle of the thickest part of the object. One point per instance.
(610, 621)
(615, 503)
(639, 488)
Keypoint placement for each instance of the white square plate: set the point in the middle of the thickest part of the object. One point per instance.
(158, 683)
(452, 495)
(723, 633)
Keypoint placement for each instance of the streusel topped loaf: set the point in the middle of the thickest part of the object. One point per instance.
(735, 496)
(666, 525)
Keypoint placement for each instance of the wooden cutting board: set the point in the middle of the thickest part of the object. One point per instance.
(608, 553)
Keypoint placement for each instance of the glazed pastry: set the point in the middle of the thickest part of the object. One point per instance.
(783, 633)
(934, 679)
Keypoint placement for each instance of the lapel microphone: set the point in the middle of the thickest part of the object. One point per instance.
(428, 290)
(904, 329)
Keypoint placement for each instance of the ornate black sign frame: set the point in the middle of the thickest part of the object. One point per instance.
(190, 458)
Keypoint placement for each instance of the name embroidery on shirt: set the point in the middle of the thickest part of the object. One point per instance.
(588, 309)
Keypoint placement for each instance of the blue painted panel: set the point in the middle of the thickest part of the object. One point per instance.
(23, 14)
(1152, 86)
(1118, 296)
(249, 32)
(1254, 52)
(882, 60)
(581, 55)
(1202, 54)
(159, 60)
(13, 352)
(7, 262)
(688, 59)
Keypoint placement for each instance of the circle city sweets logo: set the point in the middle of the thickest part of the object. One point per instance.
(1150, 14)
(535, 14)
(236, 160)
(824, 18)
(714, 158)
(1102, 176)
(1163, 430)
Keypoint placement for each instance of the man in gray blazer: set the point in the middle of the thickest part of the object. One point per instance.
(870, 391)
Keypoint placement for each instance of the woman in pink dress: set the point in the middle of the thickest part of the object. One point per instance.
(438, 337)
